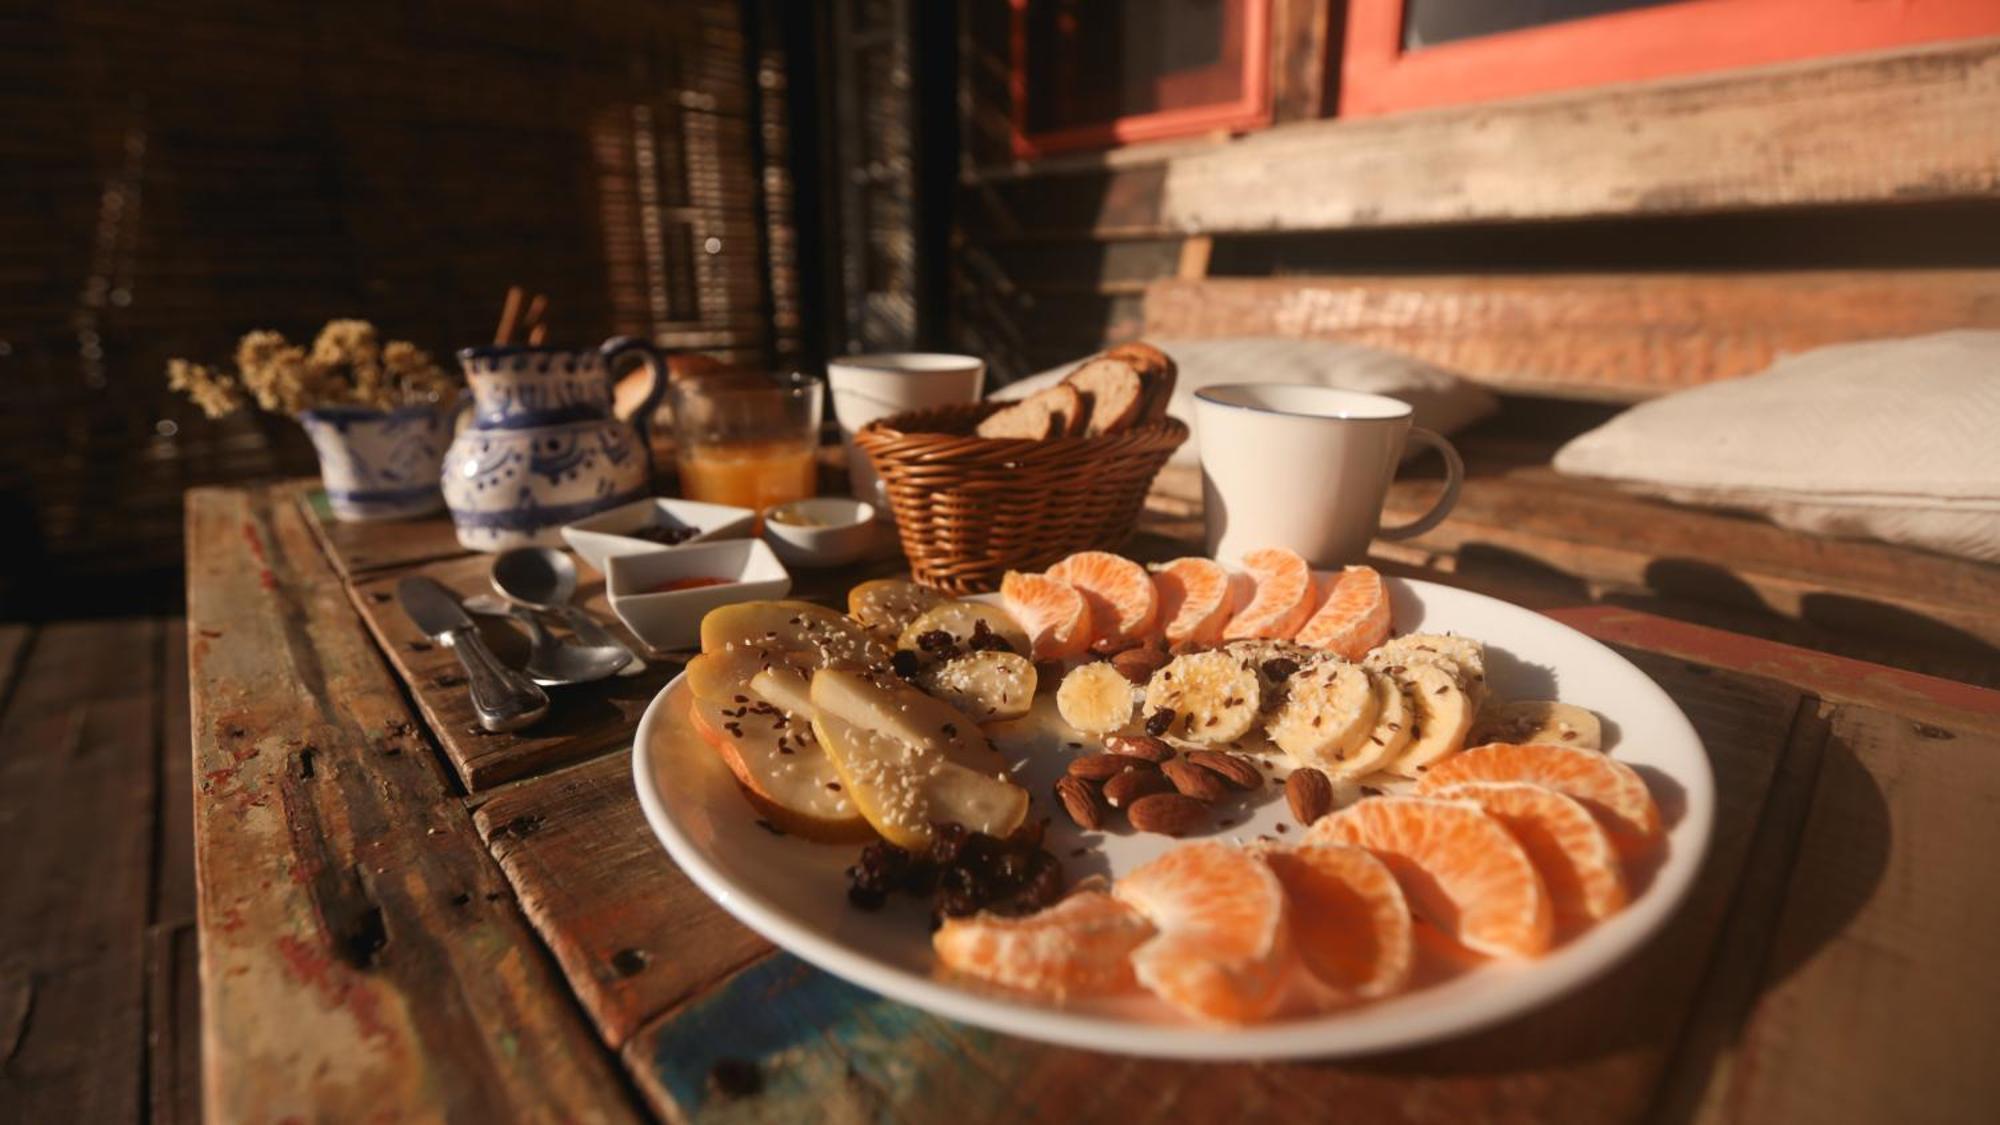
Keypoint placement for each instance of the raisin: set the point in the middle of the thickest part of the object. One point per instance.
(936, 641)
(1280, 668)
(904, 664)
(1159, 721)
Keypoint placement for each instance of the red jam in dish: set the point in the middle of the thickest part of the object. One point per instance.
(694, 583)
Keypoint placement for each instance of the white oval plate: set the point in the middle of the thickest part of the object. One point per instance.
(793, 891)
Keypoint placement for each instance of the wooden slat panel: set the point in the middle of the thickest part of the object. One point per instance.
(359, 952)
(76, 800)
(577, 849)
(1611, 336)
(1594, 1057)
(1779, 137)
(584, 720)
(1878, 998)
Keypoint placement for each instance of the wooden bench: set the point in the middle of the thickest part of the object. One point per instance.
(1655, 237)
(1565, 353)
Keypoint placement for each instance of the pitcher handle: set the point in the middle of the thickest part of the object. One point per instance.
(656, 361)
(1454, 470)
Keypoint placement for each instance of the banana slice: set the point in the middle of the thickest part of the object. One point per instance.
(1275, 663)
(1537, 721)
(961, 621)
(1328, 715)
(1467, 656)
(989, 686)
(1441, 714)
(1095, 698)
(1394, 716)
(1214, 698)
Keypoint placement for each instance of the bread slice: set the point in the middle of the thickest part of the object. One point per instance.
(1156, 371)
(1112, 389)
(1054, 412)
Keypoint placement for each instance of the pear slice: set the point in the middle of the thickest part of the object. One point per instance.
(786, 687)
(823, 636)
(883, 703)
(724, 675)
(989, 686)
(902, 788)
(783, 772)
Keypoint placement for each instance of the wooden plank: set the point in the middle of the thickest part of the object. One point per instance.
(173, 859)
(811, 1044)
(360, 548)
(634, 936)
(1303, 35)
(14, 642)
(584, 720)
(360, 954)
(76, 799)
(173, 1025)
(1878, 999)
(1611, 336)
(1922, 698)
(1777, 137)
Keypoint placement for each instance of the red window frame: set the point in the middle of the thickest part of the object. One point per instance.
(1250, 109)
(1689, 37)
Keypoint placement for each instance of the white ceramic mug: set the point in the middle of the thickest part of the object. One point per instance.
(868, 387)
(1307, 468)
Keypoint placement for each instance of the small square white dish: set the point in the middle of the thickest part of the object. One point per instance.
(671, 619)
(821, 531)
(610, 533)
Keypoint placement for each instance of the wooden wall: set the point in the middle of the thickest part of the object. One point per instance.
(1853, 166)
(177, 173)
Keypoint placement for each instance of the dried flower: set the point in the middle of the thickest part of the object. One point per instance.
(347, 366)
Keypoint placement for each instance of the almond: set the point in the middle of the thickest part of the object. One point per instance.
(1124, 789)
(1309, 793)
(1235, 770)
(1103, 767)
(1143, 746)
(1138, 664)
(1081, 801)
(1201, 784)
(1169, 814)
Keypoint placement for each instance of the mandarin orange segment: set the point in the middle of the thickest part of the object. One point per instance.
(1196, 599)
(1350, 924)
(1610, 789)
(1283, 598)
(1567, 845)
(1081, 946)
(1353, 619)
(1054, 613)
(1224, 947)
(1123, 604)
(1460, 868)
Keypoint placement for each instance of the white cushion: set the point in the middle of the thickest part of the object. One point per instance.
(1439, 400)
(1889, 439)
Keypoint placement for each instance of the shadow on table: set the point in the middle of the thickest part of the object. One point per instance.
(1689, 991)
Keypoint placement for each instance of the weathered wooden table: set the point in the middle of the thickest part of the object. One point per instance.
(404, 918)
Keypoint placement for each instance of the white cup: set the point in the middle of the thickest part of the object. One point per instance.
(1307, 468)
(868, 387)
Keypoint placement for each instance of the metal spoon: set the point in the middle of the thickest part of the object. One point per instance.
(551, 663)
(543, 578)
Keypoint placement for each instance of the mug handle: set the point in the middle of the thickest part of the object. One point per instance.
(1454, 476)
(655, 360)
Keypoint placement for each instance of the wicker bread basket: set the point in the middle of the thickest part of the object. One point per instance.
(969, 508)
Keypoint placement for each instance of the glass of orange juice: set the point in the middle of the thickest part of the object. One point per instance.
(747, 440)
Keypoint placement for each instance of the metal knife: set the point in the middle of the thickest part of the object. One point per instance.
(503, 698)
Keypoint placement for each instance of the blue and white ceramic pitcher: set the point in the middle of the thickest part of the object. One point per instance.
(543, 447)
